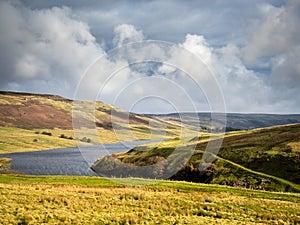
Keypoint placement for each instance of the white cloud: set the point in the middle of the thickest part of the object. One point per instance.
(252, 47)
(125, 33)
(44, 45)
(243, 89)
(29, 67)
(276, 32)
(285, 75)
(198, 45)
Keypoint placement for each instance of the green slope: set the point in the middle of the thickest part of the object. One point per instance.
(274, 151)
(235, 164)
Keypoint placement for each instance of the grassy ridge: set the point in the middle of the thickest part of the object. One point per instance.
(235, 164)
(23, 114)
(234, 172)
(82, 200)
(274, 151)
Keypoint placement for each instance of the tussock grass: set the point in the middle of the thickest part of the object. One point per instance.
(82, 200)
(4, 165)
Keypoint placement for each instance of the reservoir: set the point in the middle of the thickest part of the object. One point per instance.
(66, 161)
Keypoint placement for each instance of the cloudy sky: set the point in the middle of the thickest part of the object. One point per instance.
(252, 49)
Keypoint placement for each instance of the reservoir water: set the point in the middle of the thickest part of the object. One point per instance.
(66, 161)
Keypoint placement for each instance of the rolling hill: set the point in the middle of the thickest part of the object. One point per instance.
(265, 159)
(42, 121)
(36, 122)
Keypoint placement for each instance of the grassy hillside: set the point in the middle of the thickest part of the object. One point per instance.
(265, 159)
(26, 119)
(14, 139)
(82, 200)
(275, 151)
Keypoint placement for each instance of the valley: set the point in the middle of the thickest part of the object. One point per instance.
(253, 179)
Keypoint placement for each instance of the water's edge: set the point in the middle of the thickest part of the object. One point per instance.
(74, 161)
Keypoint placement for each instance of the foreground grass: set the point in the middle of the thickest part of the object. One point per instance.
(94, 200)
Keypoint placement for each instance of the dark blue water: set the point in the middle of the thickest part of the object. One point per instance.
(66, 161)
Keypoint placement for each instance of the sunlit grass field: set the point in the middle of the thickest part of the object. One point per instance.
(14, 139)
(94, 200)
(20, 140)
(21, 129)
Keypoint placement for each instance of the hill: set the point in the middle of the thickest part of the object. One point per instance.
(235, 121)
(265, 159)
(33, 111)
(36, 122)
(41, 121)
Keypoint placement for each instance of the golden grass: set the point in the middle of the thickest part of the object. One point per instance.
(167, 203)
(60, 105)
(8, 99)
(21, 140)
(4, 164)
(295, 146)
(21, 99)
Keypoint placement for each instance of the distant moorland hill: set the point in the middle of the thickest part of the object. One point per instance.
(234, 121)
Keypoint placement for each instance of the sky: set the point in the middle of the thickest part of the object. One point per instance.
(251, 48)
